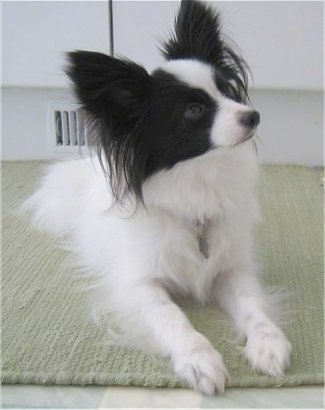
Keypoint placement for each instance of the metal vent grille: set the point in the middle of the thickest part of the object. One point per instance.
(68, 128)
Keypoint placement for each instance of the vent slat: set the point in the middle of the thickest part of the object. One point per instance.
(65, 128)
(58, 128)
(73, 128)
(81, 129)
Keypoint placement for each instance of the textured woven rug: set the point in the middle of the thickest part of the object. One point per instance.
(47, 336)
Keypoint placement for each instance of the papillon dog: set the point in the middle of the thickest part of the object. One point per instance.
(166, 207)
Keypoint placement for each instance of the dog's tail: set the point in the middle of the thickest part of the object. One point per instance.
(59, 201)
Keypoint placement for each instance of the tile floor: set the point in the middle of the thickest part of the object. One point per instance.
(94, 397)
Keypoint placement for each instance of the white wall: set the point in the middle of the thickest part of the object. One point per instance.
(282, 42)
(37, 34)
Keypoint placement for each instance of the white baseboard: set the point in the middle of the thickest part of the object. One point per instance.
(291, 129)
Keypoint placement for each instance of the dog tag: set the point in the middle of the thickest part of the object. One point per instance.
(202, 237)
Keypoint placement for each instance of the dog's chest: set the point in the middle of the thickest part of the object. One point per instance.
(191, 261)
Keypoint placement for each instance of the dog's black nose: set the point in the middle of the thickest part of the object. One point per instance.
(250, 119)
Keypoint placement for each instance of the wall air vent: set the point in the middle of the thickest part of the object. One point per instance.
(68, 130)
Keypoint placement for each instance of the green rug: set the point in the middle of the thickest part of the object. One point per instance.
(47, 336)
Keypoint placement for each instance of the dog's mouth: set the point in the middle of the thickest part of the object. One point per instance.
(250, 135)
(247, 137)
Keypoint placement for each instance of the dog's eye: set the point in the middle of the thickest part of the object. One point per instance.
(194, 111)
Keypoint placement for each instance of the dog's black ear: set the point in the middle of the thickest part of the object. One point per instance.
(116, 96)
(108, 88)
(198, 36)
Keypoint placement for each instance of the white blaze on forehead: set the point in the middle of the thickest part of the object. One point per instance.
(194, 73)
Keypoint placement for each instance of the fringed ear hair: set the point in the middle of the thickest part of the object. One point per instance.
(115, 94)
(104, 85)
(198, 36)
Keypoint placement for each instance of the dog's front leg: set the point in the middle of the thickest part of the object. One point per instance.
(267, 348)
(193, 358)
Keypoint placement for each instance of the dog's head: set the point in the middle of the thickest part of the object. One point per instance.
(196, 101)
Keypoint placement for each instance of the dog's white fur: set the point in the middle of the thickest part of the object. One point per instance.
(143, 256)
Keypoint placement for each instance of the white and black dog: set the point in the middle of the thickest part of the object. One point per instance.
(167, 207)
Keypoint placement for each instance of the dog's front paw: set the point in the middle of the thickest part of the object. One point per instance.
(268, 350)
(202, 368)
